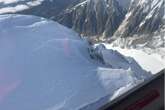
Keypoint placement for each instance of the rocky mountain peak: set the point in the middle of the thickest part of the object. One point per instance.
(94, 17)
(144, 16)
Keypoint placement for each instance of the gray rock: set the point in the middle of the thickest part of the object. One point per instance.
(94, 17)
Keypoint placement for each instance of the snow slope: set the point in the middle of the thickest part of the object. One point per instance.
(45, 66)
(13, 6)
(149, 59)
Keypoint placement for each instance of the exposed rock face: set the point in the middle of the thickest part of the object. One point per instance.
(94, 17)
(144, 16)
(99, 18)
(115, 18)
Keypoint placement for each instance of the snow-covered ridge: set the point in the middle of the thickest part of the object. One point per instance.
(124, 3)
(143, 17)
(150, 59)
(8, 2)
(13, 6)
(114, 18)
(46, 66)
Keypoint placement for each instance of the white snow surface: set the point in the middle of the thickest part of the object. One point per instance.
(149, 60)
(13, 6)
(45, 66)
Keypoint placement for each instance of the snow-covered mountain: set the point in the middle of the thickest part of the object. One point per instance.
(13, 6)
(143, 27)
(115, 18)
(44, 8)
(46, 66)
(94, 17)
(143, 17)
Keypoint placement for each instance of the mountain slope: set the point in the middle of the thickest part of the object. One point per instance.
(143, 17)
(115, 19)
(94, 17)
(46, 66)
(44, 8)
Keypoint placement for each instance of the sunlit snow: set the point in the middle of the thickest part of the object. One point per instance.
(45, 66)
